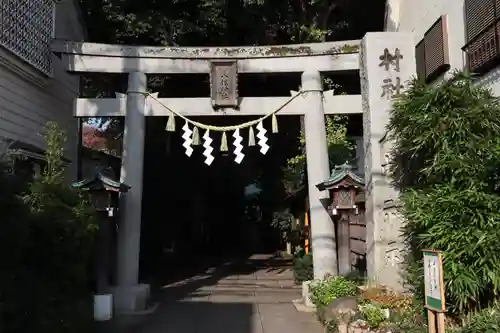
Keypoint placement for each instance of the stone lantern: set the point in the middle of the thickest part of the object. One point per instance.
(103, 190)
(104, 193)
(344, 185)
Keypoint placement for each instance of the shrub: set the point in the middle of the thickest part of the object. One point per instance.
(303, 268)
(323, 292)
(469, 236)
(404, 321)
(331, 326)
(446, 160)
(373, 315)
(14, 242)
(484, 321)
(50, 269)
(446, 134)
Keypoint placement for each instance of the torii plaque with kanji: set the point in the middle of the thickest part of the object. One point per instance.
(224, 83)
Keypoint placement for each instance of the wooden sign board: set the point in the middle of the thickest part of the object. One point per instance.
(224, 83)
(433, 279)
(434, 291)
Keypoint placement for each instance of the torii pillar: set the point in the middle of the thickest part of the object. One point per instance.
(129, 295)
(323, 243)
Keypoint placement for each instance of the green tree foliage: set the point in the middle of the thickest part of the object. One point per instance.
(47, 238)
(446, 158)
(340, 150)
(220, 23)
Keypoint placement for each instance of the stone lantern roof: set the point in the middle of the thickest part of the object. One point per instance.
(103, 179)
(342, 176)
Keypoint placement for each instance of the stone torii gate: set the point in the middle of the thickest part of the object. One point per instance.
(384, 60)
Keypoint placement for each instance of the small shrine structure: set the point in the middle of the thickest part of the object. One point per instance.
(346, 189)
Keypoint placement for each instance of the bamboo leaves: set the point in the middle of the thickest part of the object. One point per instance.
(446, 160)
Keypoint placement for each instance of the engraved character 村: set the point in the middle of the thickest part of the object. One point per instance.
(388, 59)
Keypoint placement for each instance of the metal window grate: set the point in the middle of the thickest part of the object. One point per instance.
(436, 48)
(26, 29)
(420, 59)
(483, 31)
(483, 50)
(432, 52)
(480, 14)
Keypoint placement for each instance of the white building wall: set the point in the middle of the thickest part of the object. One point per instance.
(417, 16)
(29, 99)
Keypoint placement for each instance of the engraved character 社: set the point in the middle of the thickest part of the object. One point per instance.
(391, 89)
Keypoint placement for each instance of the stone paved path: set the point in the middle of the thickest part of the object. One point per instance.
(248, 297)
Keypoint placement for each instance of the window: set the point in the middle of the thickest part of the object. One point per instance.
(482, 31)
(26, 30)
(431, 52)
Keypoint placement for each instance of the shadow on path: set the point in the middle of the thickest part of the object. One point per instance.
(252, 295)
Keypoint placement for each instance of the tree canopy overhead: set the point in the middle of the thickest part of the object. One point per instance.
(224, 22)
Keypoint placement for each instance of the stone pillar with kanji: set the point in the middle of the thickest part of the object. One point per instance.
(387, 63)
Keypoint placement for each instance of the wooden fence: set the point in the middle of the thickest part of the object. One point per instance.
(357, 240)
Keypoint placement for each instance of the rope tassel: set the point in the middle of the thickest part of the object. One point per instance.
(192, 137)
(196, 137)
(275, 123)
(223, 142)
(170, 123)
(251, 137)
